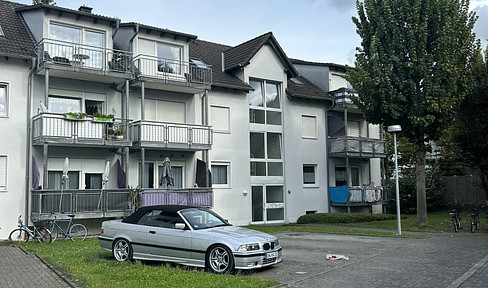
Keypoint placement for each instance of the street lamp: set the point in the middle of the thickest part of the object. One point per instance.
(395, 129)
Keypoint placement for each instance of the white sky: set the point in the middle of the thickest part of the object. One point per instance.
(313, 30)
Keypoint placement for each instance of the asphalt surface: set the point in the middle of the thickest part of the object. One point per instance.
(438, 260)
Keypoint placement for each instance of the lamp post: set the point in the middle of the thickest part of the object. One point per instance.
(395, 129)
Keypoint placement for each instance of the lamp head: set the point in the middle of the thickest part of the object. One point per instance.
(394, 128)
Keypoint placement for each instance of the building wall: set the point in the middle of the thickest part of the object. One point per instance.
(14, 73)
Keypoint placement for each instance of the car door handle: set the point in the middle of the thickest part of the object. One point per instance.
(152, 232)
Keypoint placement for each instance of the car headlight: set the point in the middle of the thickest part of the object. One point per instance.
(248, 247)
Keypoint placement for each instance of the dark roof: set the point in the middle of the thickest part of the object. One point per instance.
(240, 55)
(134, 217)
(333, 66)
(17, 40)
(300, 87)
(161, 31)
(66, 10)
(211, 54)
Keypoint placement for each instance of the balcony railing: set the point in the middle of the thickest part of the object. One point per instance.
(173, 71)
(357, 147)
(357, 196)
(55, 128)
(201, 197)
(91, 203)
(68, 54)
(171, 135)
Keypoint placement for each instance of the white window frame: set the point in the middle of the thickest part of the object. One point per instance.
(316, 179)
(311, 117)
(215, 128)
(5, 187)
(222, 163)
(6, 86)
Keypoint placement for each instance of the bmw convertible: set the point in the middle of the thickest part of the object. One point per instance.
(190, 236)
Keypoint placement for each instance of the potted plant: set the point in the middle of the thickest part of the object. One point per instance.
(110, 133)
(97, 117)
(75, 115)
(119, 131)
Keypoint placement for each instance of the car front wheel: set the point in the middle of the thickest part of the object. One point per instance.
(122, 250)
(220, 259)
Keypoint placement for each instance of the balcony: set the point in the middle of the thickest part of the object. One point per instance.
(86, 204)
(357, 196)
(180, 76)
(49, 128)
(357, 147)
(201, 197)
(84, 62)
(151, 134)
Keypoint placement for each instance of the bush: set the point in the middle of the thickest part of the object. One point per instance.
(343, 218)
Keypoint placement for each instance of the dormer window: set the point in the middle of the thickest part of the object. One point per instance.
(169, 58)
(1, 31)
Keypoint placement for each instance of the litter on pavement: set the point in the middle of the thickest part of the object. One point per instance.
(336, 257)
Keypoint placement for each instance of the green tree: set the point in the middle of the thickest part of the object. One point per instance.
(471, 126)
(410, 69)
(48, 2)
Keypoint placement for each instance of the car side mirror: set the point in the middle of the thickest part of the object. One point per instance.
(180, 226)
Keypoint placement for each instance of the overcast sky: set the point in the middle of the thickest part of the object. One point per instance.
(313, 30)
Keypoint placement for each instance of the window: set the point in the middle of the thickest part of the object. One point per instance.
(266, 154)
(164, 111)
(340, 176)
(1, 31)
(353, 129)
(54, 179)
(3, 173)
(93, 181)
(64, 104)
(169, 58)
(220, 174)
(264, 103)
(355, 176)
(309, 125)
(148, 175)
(3, 99)
(220, 118)
(93, 106)
(176, 172)
(309, 172)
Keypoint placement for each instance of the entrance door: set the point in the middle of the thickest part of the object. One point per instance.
(268, 203)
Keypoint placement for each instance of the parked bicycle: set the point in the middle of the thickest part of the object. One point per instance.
(474, 220)
(75, 232)
(23, 233)
(456, 219)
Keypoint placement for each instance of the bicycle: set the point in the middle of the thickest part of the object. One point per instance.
(75, 232)
(456, 220)
(23, 233)
(474, 220)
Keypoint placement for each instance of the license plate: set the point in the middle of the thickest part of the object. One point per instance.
(271, 255)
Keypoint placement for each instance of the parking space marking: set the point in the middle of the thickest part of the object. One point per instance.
(458, 282)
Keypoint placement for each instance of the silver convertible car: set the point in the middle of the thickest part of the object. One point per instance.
(188, 235)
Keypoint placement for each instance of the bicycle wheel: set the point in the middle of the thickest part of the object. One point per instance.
(477, 223)
(455, 225)
(473, 225)
(19, 235)
(78, 232)
(55, 233)
(43, 235)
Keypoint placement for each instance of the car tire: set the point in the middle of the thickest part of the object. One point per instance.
(122, 250)
(219, 259)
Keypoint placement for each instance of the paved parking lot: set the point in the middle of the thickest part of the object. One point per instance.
(438, 260)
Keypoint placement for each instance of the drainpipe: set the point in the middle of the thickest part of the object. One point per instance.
(136, 31)
(28, 140)
(327, 150)
(205, 122)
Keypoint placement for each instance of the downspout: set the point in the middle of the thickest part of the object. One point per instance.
(28, 140)
(327, 157)
(205, 122)
(131, 40)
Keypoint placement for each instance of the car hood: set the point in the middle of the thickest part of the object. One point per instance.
(240, 233)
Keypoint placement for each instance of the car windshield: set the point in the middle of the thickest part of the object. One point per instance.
(202, 219)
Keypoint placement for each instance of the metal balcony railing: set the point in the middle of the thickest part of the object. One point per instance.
(93, 203)
(56, 128)
(65, 54)
(357, 195)
(201, 197)
(171, 135)
(174, 71)
(357, 147)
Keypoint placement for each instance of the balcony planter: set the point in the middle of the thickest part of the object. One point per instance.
(75, 116)
(97, 117)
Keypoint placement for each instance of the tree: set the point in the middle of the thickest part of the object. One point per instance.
(410, 69)
(471, 126)
(48, 2)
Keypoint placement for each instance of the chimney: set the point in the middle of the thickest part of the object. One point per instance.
(85, 9)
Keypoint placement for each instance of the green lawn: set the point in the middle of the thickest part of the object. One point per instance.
(88, 266)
